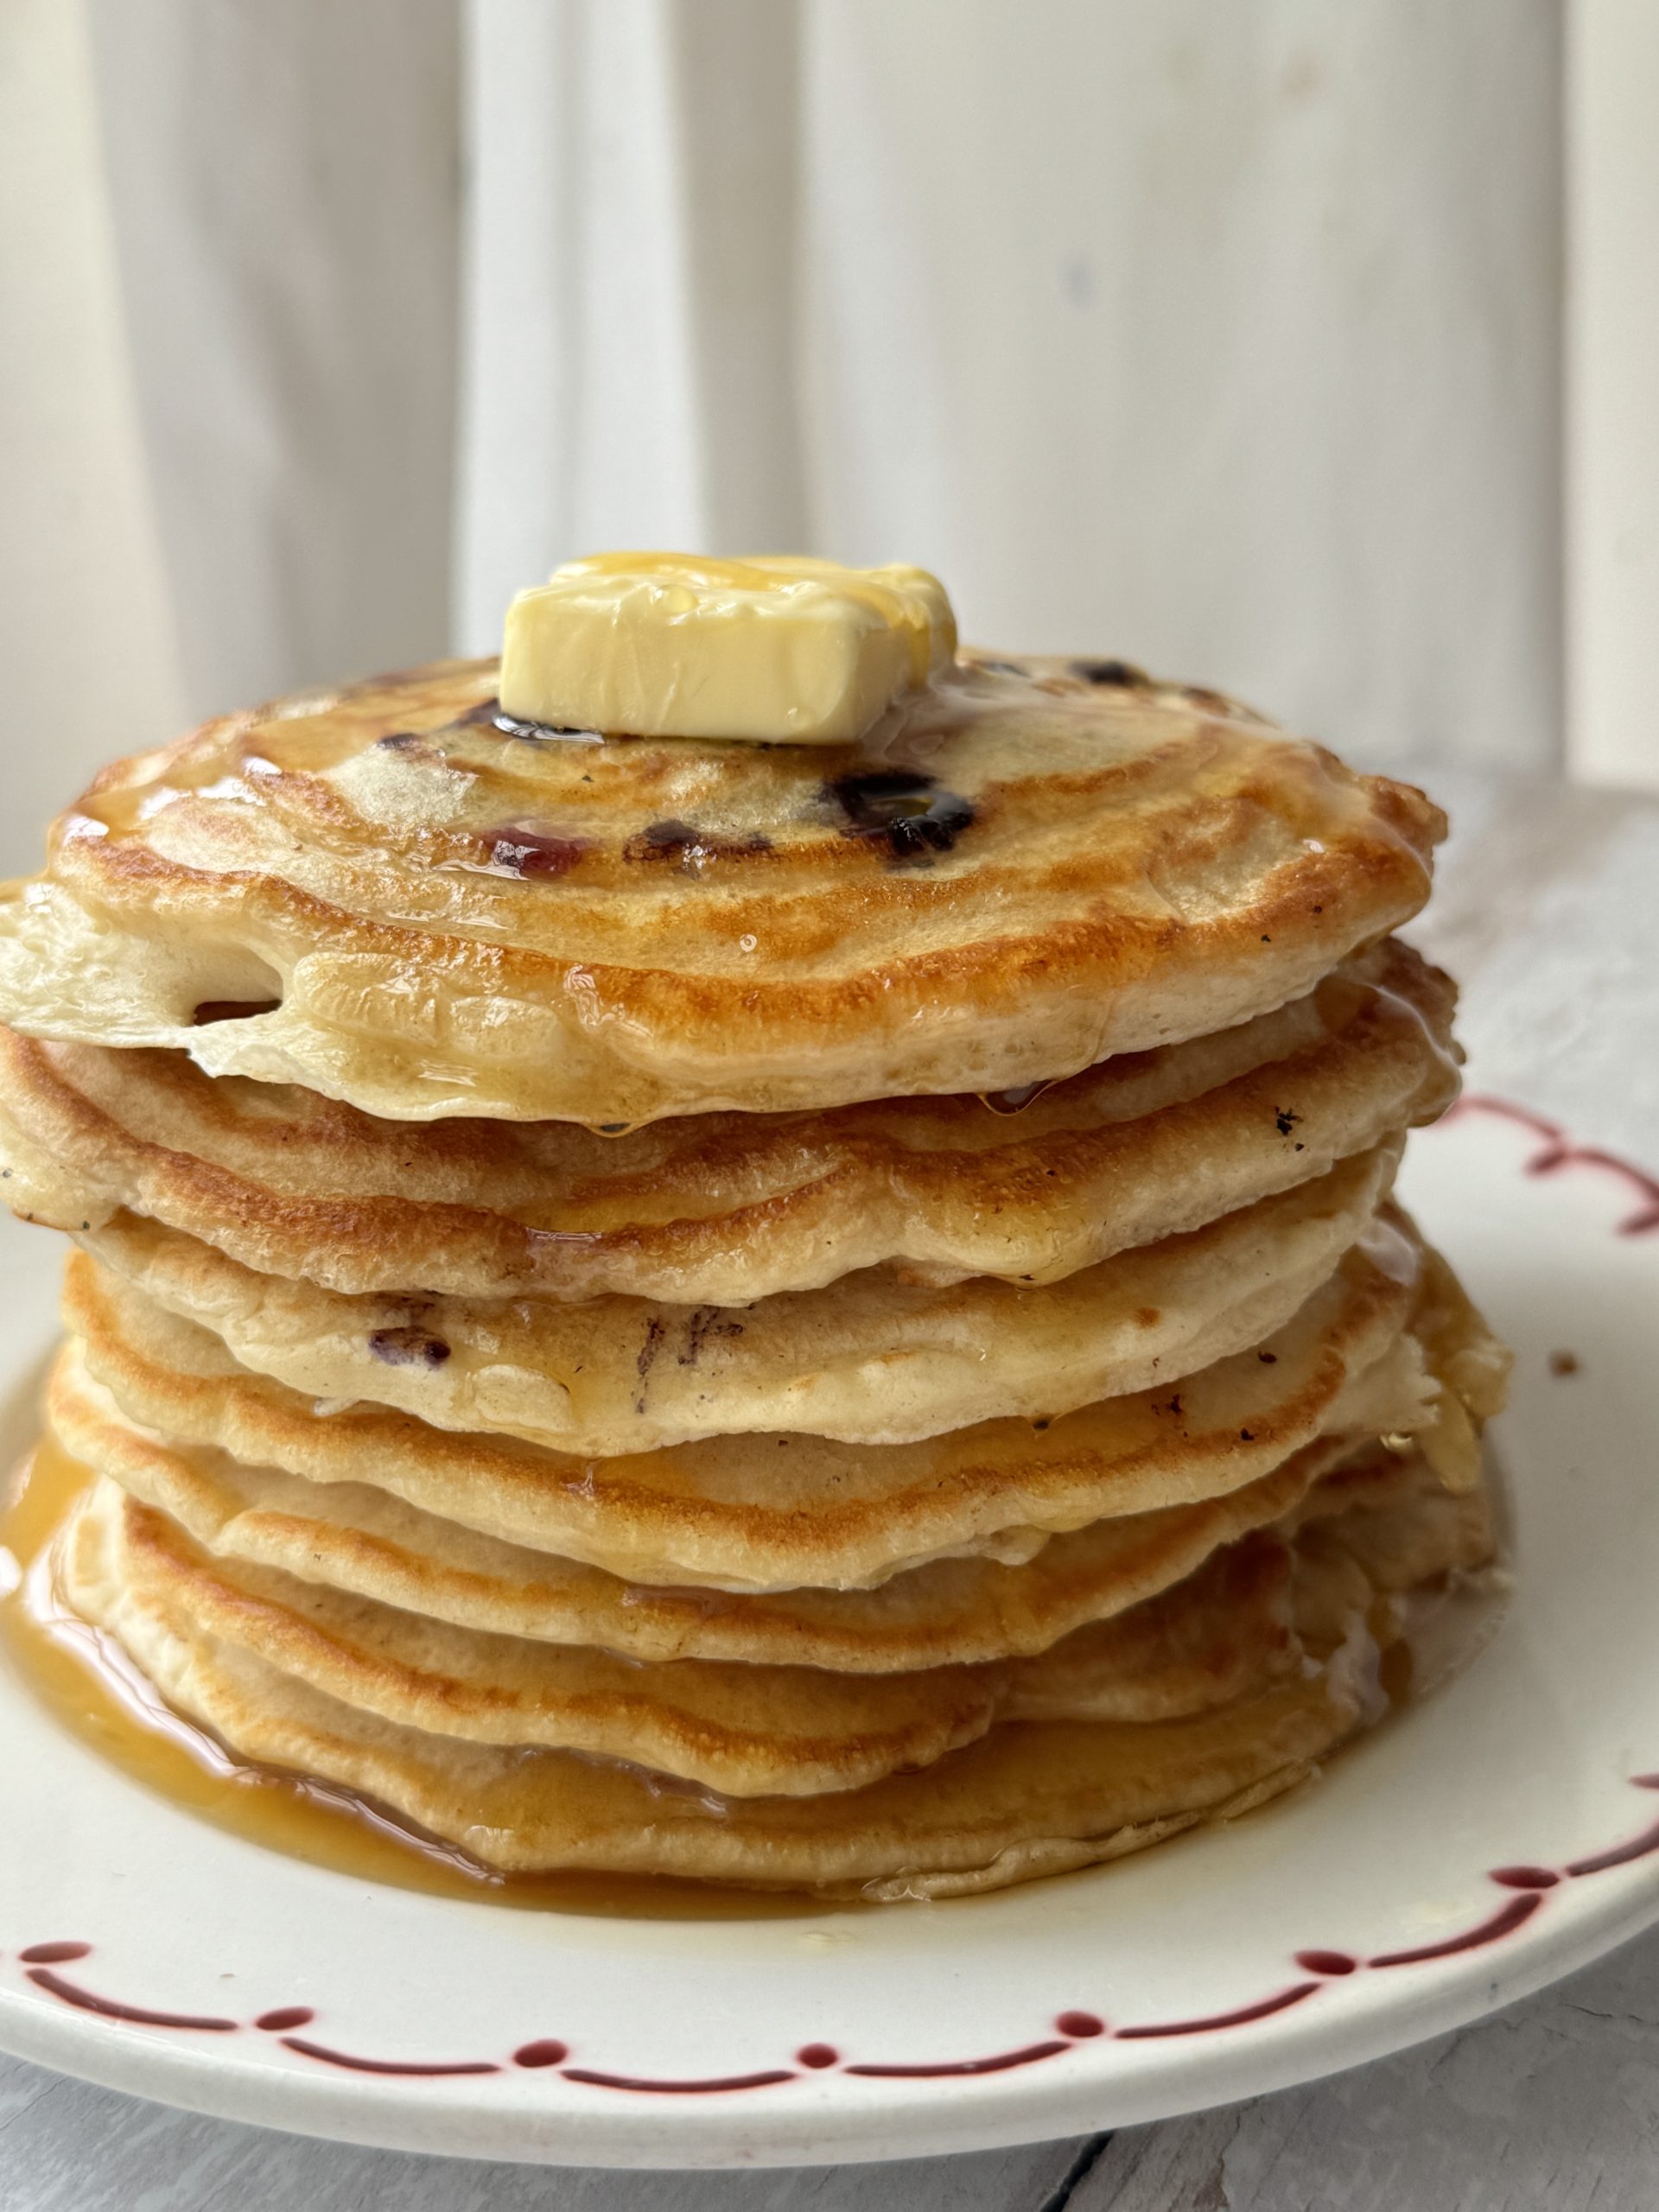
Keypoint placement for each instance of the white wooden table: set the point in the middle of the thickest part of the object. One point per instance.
(1548, 910)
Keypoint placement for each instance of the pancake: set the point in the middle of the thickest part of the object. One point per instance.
(748, 1731)
(1352, 1513)
(825, 1316)
(872, 1359)
(1029, 1798)
(367, 1541)
(386, 895)
(753, 1512)
(722, 1208)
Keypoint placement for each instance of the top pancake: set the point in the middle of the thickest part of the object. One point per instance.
(387, 896)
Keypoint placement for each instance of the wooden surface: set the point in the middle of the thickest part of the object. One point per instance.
(1548, 910)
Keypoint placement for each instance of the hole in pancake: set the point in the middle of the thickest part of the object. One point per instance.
(247, 986)
(212, 1010)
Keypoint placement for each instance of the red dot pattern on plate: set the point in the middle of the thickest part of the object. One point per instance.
(353, 2062)
(1556, 1150)
(1531, 1886)
(114, 2008)
(550, 2051)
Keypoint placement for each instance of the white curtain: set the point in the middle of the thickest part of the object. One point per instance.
(1224, 336)
(633, 280)
(228, 241)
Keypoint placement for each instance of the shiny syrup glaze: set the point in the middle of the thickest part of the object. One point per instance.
(882, 788)
(79, 1675)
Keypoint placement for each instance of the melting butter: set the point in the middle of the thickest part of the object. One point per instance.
(780, 650)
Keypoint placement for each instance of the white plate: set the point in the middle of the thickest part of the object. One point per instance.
(1503, 1833)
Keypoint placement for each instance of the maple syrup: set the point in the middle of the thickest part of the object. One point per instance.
(82, 1677)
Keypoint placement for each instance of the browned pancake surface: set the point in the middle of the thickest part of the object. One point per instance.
(724, 1208)
(770, 1512)
(387, 896)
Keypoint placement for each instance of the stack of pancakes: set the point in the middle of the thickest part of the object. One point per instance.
(805, 1317)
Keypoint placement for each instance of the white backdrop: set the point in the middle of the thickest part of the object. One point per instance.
(1221, 334)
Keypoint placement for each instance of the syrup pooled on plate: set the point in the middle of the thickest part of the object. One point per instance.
(82, 1678)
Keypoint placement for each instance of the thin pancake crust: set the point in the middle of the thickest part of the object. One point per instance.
(761, 1514)
(1030, 1797)
(384, 895)
(870, 1359)
(723, 1209)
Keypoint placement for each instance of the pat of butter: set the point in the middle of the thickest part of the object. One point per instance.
(770, 650)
